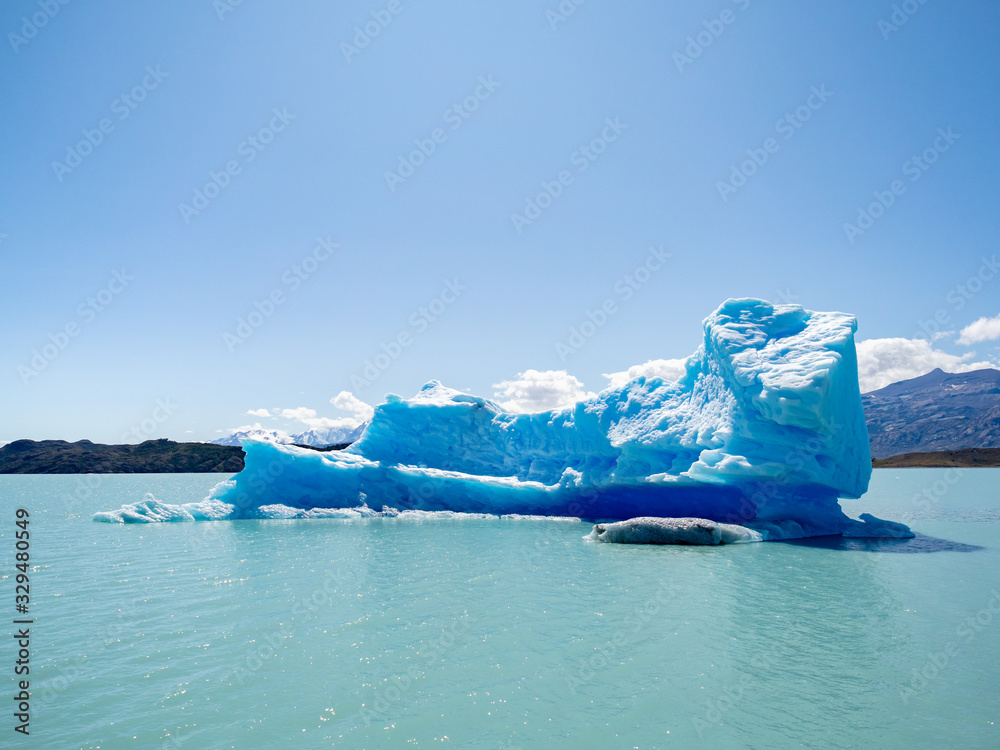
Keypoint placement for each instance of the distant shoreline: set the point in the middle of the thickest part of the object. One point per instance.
(968, 458)
(150, 457)
(167, 457)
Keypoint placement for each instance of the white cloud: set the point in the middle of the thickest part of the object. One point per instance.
(533, 391)
(668, 369)
(347, 401)
(307, 416)
(258, 412)
(984, 329)
(348, 422)
(302, 414)
(885, 361)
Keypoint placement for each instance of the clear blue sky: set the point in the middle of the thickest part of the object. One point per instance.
(199, 86)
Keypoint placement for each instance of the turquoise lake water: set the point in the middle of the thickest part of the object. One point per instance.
(383, 633)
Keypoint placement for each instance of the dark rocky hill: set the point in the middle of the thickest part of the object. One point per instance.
(85, 457)
(938, 411)
(967, 457)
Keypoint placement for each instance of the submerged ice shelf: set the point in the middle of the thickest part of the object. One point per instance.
(765, 430)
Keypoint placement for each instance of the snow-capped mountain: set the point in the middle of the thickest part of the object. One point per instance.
(256, 432)
(320, 437)
(317, 437)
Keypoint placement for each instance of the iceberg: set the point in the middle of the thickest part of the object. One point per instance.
(764, 430)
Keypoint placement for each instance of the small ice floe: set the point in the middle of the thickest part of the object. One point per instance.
(649, 530)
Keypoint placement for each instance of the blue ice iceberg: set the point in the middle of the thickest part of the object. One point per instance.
(765, 429)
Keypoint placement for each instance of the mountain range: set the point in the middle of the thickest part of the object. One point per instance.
(938, 411)
(315, 437)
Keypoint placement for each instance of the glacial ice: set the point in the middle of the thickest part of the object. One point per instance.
(764, 430)
(151, 510)
(672, 531)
